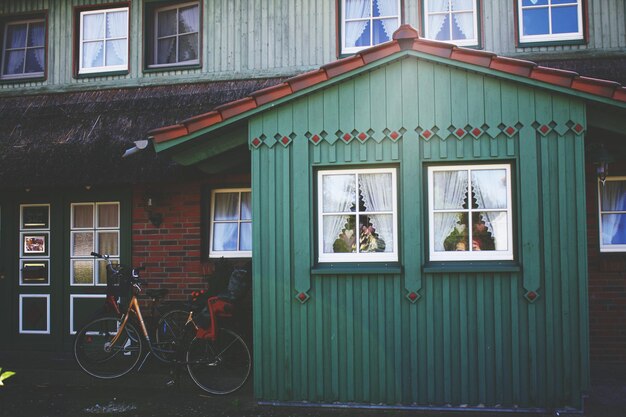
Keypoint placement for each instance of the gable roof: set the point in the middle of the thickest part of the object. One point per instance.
(405, 41)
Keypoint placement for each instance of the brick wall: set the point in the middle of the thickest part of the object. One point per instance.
(607, 285)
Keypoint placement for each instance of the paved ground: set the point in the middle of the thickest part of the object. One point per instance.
(53, 386)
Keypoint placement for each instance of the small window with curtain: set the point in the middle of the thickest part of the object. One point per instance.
(612, 209)
(23, 48)
(454, 21)
(469, 213)
(231, 223)
(103, 40)
(367, 23)
(173, 35)
(550, 20)
(357, 215)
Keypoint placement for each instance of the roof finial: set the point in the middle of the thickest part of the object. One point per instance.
(405, 35)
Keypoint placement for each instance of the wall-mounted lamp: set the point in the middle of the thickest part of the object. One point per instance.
(602, 158)
(155, 218)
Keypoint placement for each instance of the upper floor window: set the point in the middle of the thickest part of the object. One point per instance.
(231, 223)
(368, 22)
(454, 21)
(612, 208)
(175, 35)
(550, 20)
(357, 219)
(23, 48)
(470, 213)
(103, 44)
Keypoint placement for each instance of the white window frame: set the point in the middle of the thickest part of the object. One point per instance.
(608, 247)
(469, 255)
(73, 298)
(21, 312)
(356, 256)
(371, 18)
(459, 42)
(579, 35)
(23, 74)
(95, 230)
(239, 221)
(177, 36)
(104, 68)
(45, 230)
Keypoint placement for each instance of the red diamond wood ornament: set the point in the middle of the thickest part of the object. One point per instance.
(459, 133)
(544, 129)
(347, 137)
(315, 138)
(394, 135)
(256, 142)
(510, 131)
(362, 136)
(302, 297)
(285, 140)
(476, 132)
(578, 128)
(531, 296)
(426, 134)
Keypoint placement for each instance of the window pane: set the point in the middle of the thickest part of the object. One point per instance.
(484, 228)
(83, 272)
(565, 1)
(34, 60)
(82, 244)
(565, 19)
(535, 2)
(339, 193)
(108, 215)
(449, 189)
(225, 236)
(166, 51)
(93, 26)
(339, 234)
(188, 20)
(246, 206)
(489, 188)
(93, 54)
(376, 233)
(34, 314)
(116, 52)
(450, 232)
(14, 63)
(439, 26)
(226, 206)
(383, 30)
(188, 48)
(463, 26)
(245, 237)
(36, 34)
(82, 216)
(117, 25)
(613, 196)
(458, 5)
(376, 191)
(108, 243)
(357, 8)
(385, 8)
(357, 34)
(102, 269)
(614, 229)
(16, 36)
(166, 23)
(536, 21)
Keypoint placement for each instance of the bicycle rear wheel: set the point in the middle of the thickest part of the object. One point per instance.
(169, 334)
(219, 367)
(96, 356)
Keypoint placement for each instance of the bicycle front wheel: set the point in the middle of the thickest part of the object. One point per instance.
(169, 334)
(219, 367)
(95, 354)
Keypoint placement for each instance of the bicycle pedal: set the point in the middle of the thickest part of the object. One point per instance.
(170, 383)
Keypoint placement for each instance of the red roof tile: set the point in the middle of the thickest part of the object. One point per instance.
(405, 38)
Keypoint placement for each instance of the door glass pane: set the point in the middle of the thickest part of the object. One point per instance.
(225, 236)
(108, 243)
(82, 243)
(82, 272)
(226, 206)
(34, 314)
(35, 217)
(102, 269)
(108, 215)
(82, 216)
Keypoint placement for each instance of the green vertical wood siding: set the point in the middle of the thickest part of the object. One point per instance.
(265, 38)
(471, 338)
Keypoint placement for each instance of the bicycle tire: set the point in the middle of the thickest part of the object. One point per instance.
(169, 334)
(92, 356)
(219, 367)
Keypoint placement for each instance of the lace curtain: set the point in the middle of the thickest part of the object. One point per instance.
(93, 28)
(450, 188)
(613, 199)
(377, 193)
(439, 10)
(435, 21)
(355, 9)
(117, 27)
(489, 190)
(339, 194)
(37, 38)
(388, 8)
(463, 21)
(226, 208)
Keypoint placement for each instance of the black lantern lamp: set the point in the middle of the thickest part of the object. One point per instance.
(155, 218)
(602, 158)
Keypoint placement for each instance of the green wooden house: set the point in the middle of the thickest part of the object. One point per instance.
(419, 226)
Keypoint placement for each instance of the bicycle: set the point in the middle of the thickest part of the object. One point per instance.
(217, 359)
